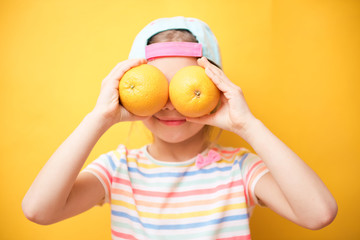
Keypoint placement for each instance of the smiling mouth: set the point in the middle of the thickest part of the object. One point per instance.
(171, 122)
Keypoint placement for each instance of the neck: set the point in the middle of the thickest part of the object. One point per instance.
(178, 152)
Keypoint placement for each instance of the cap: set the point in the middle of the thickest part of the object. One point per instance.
(202, 32)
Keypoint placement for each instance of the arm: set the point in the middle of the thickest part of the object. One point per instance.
(58, 191)
(291, 188)
(296, 191)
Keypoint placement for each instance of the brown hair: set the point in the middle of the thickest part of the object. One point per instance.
(179, 35)
(183, 35)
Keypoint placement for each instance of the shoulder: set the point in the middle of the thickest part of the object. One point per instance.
(115, 159)
(241, 158)
(115, 156)
(124, 153)
(231, 153)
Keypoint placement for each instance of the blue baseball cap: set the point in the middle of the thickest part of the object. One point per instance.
(202, 32)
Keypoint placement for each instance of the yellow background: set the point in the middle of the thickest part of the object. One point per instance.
(298, 63)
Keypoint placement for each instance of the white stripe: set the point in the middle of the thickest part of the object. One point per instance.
(255, 181)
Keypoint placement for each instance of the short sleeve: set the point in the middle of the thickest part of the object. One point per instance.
(252, 169)
(103, 168)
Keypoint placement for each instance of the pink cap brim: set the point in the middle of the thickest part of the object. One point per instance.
(173, 49)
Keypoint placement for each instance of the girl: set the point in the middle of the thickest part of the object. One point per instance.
(180, 186)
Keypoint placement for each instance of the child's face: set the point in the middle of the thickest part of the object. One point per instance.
(168, 124)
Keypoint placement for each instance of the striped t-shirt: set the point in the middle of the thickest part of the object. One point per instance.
(153, 199)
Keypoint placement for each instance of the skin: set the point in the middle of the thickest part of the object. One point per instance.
(291, 188)
(170, 141)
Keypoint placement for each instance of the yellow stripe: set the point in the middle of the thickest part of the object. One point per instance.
(179, 215)
(152, 166)
(144, 165)
(117, 154)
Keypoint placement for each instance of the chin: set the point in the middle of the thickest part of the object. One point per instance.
(178, 134)
(174, 138)
(173, 134)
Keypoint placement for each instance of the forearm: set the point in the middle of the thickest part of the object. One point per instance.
(301, 186)
(52, 186)
(292, 188)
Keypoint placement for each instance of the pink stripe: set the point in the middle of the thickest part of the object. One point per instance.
(105, 170)
(245, 237)
(180, 194)
(168, 49)
(122, 181)
(227, 154)
(122, 235)
(246, 198)
(250, 171)
(249, 198)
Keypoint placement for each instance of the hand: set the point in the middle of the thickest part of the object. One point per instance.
(108, 105)
(233, 114)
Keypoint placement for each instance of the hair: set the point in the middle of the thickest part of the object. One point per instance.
(183, 35)
(178, 35)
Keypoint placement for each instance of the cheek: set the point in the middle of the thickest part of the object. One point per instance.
(150, 124)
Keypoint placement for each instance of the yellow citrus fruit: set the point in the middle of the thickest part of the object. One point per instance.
(192, 92)
(143, 90)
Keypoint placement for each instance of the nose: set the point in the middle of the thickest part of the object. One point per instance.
(168, 105)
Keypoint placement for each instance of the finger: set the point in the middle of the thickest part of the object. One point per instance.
(128, 116)
(201, 62)
(216, 75)
(124, 66)
(120, 69)
(207, 119)
(215, 70)
(205, 63)
(218, 80)
(210, 70)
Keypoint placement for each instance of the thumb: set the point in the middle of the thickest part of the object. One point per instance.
(128, 116)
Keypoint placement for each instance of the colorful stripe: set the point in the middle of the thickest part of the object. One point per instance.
(155, 201)
(176, 205)
(179, 226)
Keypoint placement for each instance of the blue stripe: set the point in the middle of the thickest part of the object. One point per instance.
(179, 174)
(242, 159)
(112, 164)
(180, 226)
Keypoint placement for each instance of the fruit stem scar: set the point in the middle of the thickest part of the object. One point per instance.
(197, 93)
(132, 86)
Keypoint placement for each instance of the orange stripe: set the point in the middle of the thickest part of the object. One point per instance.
(227, 151)
(250, 171)
(232, 154)
(105, 180)
(256, 173)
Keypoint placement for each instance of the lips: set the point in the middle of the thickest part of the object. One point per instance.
(171, 121)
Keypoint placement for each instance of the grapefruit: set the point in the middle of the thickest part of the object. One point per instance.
(192, 92)
(143, 90)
